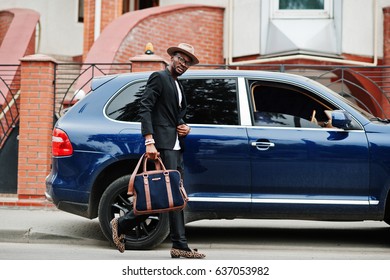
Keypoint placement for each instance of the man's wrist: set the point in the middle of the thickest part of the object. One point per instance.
(149, 141)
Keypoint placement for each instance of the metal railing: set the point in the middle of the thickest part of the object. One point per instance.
(72, 80)
(368, 86)
(9, 99)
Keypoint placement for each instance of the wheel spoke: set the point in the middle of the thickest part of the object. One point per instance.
(118, 208)
(124, 199)
(143, 228)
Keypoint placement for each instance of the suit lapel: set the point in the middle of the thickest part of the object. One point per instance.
(182, 109)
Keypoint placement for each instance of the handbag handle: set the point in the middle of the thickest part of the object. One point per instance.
(157, 163)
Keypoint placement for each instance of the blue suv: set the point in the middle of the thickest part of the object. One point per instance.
(263, 145)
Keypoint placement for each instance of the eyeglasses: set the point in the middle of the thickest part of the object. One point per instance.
(183, 61)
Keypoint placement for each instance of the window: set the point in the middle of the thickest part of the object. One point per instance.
(311, 27)
(301, 5)
(81, 11)
(144, 4)
(134, 5)
(285, 105)
(301, 8)
(125, 6)
(125, 106)
(211, 101)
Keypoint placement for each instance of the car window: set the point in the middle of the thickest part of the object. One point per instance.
(211, 101)
(276, 104)
(125, 105)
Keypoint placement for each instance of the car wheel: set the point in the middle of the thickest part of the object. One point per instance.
(116, 202)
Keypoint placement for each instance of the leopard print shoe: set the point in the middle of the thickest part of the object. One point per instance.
(119, 241)
(189, 254)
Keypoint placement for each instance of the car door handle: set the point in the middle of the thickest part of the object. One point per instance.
(263, 146)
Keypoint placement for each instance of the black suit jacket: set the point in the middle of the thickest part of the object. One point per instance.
(160, 112)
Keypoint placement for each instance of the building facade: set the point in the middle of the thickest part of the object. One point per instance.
(245, 34)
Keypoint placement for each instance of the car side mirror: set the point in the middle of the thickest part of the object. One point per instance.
(341, 119)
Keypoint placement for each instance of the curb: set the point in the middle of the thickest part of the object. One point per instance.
(23, 203)
(29, 236)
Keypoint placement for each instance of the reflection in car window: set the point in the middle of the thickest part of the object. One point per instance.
(285, 105)
(211, 101)
(125, 106)
(278, 119)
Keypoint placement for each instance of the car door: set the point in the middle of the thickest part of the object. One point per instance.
(217, 169)
(300, 169)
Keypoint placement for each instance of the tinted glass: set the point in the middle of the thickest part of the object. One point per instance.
(301, 4)
(125, 106)
(284, 105)
(211, 101)
(279, 119)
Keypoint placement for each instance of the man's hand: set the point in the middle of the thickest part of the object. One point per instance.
(151, 152)
(183, 130)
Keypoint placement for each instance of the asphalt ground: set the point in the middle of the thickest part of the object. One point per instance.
(47, 225)
(50, 225)
(363, 246)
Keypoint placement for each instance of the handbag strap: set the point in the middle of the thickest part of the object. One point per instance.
(130, 189)
(157, 163)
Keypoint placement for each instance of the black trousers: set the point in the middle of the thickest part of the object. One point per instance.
(172, 160)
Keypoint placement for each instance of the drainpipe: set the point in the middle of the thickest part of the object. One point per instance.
(229, 59)
(300, 56)
(98, 17)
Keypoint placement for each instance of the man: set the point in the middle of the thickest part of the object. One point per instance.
(162, 109)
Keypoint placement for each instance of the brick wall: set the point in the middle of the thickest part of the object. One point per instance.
(200, 26)
(110, 11)
(89, 26)
(36, 124)
(144, 63)
(386, 55)
(5, 21)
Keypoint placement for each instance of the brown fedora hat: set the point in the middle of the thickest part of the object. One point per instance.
(186, 49)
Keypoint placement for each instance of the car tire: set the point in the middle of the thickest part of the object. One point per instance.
(116, 202)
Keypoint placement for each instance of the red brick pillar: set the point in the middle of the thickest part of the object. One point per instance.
(145, 62)
(110, 11)
(386, 35)
(89, 26)
(386, 56)
(36, 125)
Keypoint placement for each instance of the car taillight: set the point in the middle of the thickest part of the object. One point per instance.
(61, 145)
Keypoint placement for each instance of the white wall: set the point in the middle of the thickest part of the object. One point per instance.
(358, 28)
(61, 34)
(246, 27)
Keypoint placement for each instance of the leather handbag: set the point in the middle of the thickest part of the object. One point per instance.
(156, 191)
